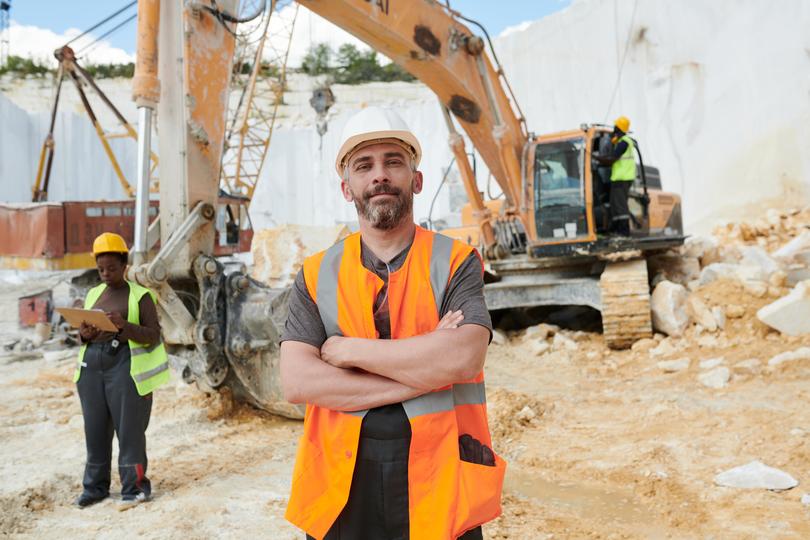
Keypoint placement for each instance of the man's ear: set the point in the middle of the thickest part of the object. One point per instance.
(417, 182)
(347, 193)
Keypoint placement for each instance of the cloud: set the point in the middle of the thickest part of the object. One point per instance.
(39, 43)
(310, 29)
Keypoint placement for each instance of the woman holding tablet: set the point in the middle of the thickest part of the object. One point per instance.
(115, 376)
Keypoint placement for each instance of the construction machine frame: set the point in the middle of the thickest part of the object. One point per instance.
(229, 334)
(69, 67)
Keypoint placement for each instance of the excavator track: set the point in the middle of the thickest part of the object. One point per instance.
(626, 314)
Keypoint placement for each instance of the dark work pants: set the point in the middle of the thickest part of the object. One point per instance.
(619, 210)
(110, 403)
(377, 508)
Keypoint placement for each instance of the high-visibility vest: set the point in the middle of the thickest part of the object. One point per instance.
(446, 496)
(624, 168)
(149, 365)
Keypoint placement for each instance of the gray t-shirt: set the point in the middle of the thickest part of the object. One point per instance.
(465, 292)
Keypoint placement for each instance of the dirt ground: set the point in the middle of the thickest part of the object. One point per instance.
(600, 444)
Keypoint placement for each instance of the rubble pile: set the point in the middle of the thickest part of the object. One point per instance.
(767, 260)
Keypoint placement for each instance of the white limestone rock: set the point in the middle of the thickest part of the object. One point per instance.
(539, 347)
(593, 356)
(643, 345)
(790, 251)
(802, 353)
(751, 365)
(701, 314)
(758, 257)
(561, 342)
(715, 378)
(674, 366)
(710, 363)
(734, 311)
(668, 305)
(737, 272)
(526, 415)
(755, 288)
(699, 246)
(756, 475)
(541, 331)
(665, 348)
(790, 314)
(719, 317)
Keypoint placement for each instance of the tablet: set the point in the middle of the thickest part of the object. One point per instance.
(96, 317)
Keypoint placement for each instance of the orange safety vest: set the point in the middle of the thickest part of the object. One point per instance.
(446, 496)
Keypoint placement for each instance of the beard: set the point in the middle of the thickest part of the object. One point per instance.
(387, 213)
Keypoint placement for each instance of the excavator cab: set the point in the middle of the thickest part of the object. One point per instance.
(571, 195)
(561, 209)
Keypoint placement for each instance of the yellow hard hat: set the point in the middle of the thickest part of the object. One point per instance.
(109, 243)
(623, 123)
(375, 125)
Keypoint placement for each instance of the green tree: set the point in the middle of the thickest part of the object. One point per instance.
(317, 60)
(111, 71)
(351, 65)
(24, 66)
(394, 72)
(356, 67)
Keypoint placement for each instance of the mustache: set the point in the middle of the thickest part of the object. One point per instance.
(380, 189)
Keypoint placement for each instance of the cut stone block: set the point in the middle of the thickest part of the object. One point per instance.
(790, 314)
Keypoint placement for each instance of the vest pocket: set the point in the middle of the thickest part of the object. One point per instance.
(479, 494)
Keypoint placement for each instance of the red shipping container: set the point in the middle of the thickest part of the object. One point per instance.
(35, 308)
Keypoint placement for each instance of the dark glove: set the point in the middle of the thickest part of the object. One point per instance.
(472, 451)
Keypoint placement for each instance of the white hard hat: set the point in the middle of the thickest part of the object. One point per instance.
(372, 125)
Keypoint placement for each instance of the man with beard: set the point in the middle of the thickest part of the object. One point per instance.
(385, 342)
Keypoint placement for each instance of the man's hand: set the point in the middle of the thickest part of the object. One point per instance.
(451, 319)
(334, 352)
(88, 331)
(116, 319)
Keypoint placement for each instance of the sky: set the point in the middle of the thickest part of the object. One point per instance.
(39, 26)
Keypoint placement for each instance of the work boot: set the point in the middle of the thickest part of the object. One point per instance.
(85, 499)
(131, 501)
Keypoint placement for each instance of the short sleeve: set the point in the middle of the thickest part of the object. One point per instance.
(303, 319)
(466, 292)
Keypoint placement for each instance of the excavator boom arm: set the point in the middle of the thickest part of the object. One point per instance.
(428, 40)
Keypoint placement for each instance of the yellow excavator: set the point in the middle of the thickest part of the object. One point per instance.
(543, 241)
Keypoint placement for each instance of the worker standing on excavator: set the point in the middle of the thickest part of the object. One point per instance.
(622, 175)
(115, 377)
(385, 342)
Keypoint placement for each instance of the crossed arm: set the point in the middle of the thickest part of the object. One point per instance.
(355, 373)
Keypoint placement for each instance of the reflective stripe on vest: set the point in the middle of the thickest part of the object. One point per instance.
(149, 364)
(446, 496)
(624, 168)
(446, 400)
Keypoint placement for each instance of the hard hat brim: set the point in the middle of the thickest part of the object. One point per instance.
(348, 146)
